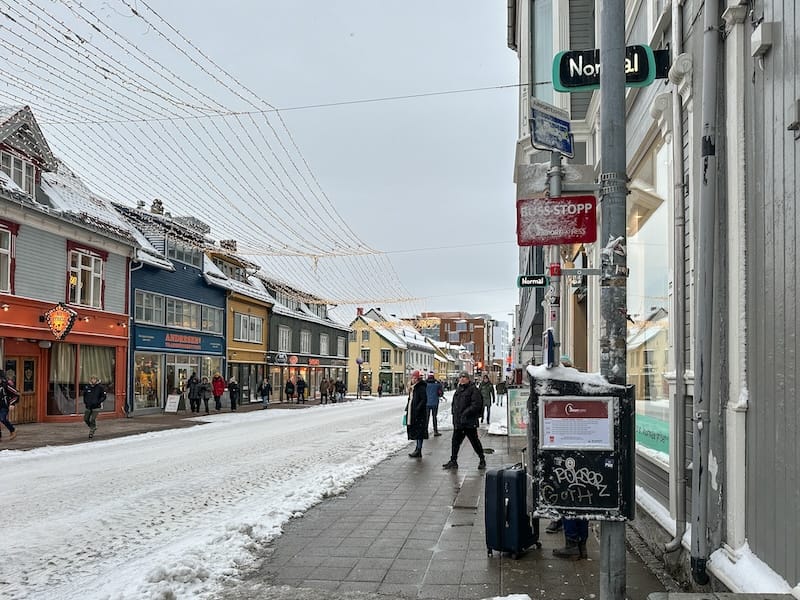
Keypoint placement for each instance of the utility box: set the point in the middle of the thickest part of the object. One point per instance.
(581, 446)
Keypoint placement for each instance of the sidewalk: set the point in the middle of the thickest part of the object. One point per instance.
(409, 529)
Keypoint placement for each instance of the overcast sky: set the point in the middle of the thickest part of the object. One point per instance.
(427, 180)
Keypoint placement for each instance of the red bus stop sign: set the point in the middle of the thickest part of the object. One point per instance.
(561, 220)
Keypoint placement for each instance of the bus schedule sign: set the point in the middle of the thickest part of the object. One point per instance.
(579, 70)
(561, 220)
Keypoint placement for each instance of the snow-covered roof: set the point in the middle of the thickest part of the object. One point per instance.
(68, 195)
(214, 276)
(8, 184)
(644, 335)
(385, 332)
(19, 129)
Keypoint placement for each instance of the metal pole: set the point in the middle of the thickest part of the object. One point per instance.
(554, 175)
(613, 283)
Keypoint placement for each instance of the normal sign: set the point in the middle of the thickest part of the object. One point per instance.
(561, 220)
(577, 70)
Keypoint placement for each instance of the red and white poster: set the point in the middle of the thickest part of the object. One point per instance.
(577, 422)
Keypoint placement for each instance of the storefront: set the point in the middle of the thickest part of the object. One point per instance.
(51, 350)
(284, 367)
(165, 358)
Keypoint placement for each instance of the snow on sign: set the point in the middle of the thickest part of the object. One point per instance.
(562, 220)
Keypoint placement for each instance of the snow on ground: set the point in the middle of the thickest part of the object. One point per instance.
(173, 514)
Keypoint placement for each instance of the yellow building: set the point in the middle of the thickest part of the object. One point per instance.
(383, 357)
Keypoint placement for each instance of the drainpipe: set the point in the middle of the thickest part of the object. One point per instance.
(705, 296)
(679, 280)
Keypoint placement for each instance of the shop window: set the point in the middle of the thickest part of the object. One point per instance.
(147, 381)
(86, 277)
(71, 367)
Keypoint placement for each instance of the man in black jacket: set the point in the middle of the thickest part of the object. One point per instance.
(94, 394)
(467, 408)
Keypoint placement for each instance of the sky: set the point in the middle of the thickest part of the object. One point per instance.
(402, 203)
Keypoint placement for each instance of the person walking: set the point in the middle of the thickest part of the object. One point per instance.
(340, 390)
(233, 392)
(380, 390)
(265, 391)
(94, 394)
(323, 391)
(9, 396)
(205, 393)
(217, 388)
(288, 389)
(193, 392)
(487, 393)
(417, 413)
(502, 389)
(300, 386)
(466, 407)
(435, 392)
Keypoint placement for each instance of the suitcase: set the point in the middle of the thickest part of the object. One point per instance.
(508, 524)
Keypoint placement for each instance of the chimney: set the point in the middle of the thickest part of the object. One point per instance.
(359, 312)
(157, 208)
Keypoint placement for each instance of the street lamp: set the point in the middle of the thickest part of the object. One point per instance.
(359, 362)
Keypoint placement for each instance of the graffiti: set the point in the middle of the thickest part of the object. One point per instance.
(575, 485)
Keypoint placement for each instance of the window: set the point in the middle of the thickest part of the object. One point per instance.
(351, 336)
(212, 319)
(543, 50)
(305, 341)
(86, 278)
(284, 339)
(184, 252)
(181, 313)
(19, 170)
(287, 300)
(340, 347)
(247, 328)
(323, 344)
(365, 335)
(365, 356)
(6, 256)
(149, 308)
(386, 356)
(231, 271)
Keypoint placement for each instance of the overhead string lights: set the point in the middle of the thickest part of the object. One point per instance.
(244, 174)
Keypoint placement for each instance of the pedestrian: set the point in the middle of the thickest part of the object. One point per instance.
(417, 413)
(466, 407)
(340, 390)
(233, 392)
(380, 389)
(193, 392)
(435, 392)
(487, 393)
(288, 389)
(265, 391)
(576, 532)
(218, 388)
(205, 393)
(94, 394)
(9, 396)
(300, 387)
(323, 391)
(502, 389)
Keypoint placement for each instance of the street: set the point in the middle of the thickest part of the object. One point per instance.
(172, 513)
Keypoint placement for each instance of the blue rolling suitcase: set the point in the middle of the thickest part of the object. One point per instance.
(508, 525)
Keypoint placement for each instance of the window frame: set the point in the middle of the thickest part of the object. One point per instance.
(137, 305)
(95, 256)
(305, 341)
(341, 348)
(284, 338)
(27, 169)
(12, 229)
(324, 344)
(248, 328)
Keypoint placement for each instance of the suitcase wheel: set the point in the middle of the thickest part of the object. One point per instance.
(514, 556)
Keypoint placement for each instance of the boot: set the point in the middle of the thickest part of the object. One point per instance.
(450, 465)
(416, 453)
(572, 550)
(482, 463)
(13, 435)
(436, 434)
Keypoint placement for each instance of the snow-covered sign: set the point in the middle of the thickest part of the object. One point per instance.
(550, 128)
(561, 220)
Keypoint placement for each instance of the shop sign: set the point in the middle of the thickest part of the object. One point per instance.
(313, 362)
(559, 220)
(579, 70)
(60, 320)
(280, 358)
(158, 339)
(293, 359)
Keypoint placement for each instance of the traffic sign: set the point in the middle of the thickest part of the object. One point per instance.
(578, 70)
(550, 128)
(560, 220)
(532, 281)
(580, 272)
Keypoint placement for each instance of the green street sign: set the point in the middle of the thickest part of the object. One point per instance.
(533, 281)
(579, 70)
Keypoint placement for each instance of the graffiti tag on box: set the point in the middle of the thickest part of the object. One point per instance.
(578, 480)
